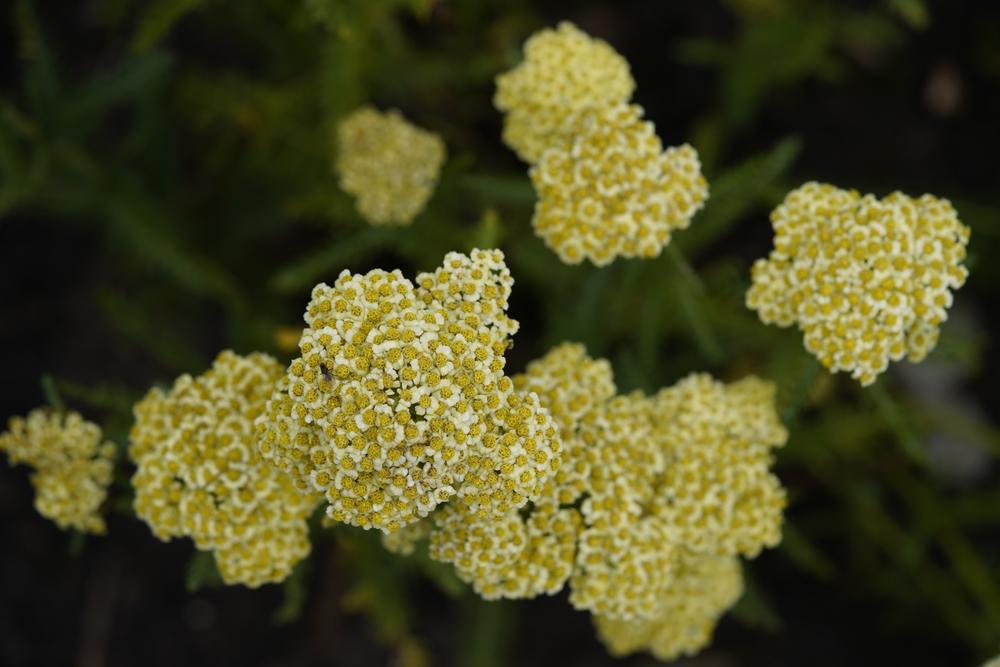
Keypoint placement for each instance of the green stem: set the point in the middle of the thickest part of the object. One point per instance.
(896, 420)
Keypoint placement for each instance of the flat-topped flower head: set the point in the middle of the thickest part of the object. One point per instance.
(588, 527)
(564, 72)
(200, 475)
(702, 589)
(867, 280)
(72, 466)
(613, 191)
(399, 402)
(388, 164)
(717, 490)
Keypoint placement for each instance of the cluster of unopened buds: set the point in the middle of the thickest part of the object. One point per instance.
(606, 187)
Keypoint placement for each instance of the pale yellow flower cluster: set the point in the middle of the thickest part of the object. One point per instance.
(717, 491)
(606, 187)
(703, 588)
(565, 73)
(616, 192)
(73, 467)
(867, 280)
(200, 476)
(655, 498)
(388, 164)
(399, 402)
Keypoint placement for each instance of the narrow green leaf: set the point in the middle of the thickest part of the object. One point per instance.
(52, 396)
(897, 422)
(158, 19)
(201, 572)
(328, 262)
(296, 594)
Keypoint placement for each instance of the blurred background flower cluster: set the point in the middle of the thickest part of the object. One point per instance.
(168, 189)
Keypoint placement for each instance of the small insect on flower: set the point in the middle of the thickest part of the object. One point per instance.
(867, 280)
(200, 476)
(72, 466)
(388, 164)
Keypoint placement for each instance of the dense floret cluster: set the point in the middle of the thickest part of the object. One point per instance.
(388, 164)
(717, 491)
(399, 401)
(565, 72)
(200, 476)
(652, 493)
(606, 187)
(614, 192)
(867, 280)
(702, 590)
(72, 466)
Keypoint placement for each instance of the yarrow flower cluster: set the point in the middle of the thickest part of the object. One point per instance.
(652, 491)
(867, 280)
(200, 475)
(565, 72)
(615, 192)
(606, 187)
(388, 164)
(399, 402)
(703, 588)
(718, 493)
(72, 466)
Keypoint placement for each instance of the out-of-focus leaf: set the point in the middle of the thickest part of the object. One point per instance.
(328, 262)
(500, 188)
(52, 396)
(41, 79)
(487, 627)
(754, 609)
(296, 594)
(148, 334)
(103, 396)
(914, 12)
(127, 82)
(734, 193)
(803, 553)
(897, 421)
(158, 18)
(201, 572)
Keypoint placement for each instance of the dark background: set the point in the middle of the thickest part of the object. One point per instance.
(166, 191)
